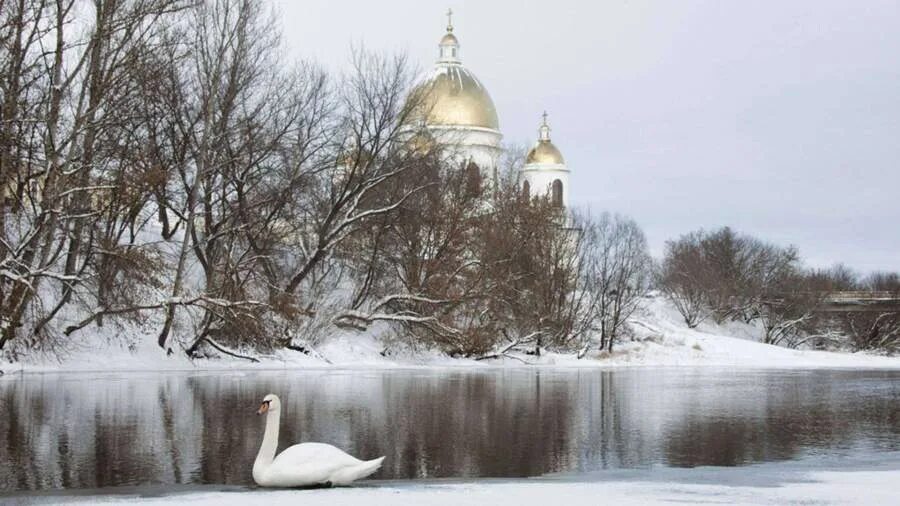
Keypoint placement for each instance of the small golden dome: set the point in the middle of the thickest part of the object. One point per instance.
(449, 39)
(545, 152)
(453, 96)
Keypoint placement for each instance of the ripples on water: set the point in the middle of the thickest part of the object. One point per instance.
(88, 431)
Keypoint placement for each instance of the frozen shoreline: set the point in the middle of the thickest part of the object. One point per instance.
(129, 363)
(751, 485)
(660, 340)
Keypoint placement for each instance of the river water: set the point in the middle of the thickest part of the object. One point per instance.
(80, 431)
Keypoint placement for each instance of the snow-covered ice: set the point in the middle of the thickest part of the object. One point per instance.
(863, 487)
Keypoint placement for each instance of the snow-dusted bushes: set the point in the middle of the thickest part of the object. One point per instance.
(724, 275)
(728, 276)
(858, 330)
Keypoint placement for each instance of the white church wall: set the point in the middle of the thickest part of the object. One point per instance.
(479, 145)
(540, 177)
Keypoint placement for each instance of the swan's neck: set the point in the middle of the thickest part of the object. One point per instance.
(269, 443)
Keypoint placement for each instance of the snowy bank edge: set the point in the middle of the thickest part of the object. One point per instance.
(818, 487)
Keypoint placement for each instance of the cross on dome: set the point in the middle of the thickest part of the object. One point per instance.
(449, 46)
(544, 152)
(544, 131)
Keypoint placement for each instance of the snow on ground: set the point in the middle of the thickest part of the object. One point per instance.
(869, 487)
(660, 339)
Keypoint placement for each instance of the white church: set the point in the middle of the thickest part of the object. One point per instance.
(460, 113)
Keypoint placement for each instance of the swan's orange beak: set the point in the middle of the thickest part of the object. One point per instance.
(263, 408)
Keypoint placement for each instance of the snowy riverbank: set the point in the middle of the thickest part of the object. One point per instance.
(753, 485)
(660, 339)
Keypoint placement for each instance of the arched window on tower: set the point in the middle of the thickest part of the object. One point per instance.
(473, 179)
(556, 193)
(526, 189)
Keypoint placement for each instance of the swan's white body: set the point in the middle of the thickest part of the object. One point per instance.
(305, 464)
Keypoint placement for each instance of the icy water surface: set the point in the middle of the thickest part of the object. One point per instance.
(101, 430)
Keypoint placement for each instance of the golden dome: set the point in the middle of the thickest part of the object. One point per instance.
(544, 152)
(449, 39)
(453, 96)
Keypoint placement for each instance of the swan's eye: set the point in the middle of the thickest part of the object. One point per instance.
(263, 407)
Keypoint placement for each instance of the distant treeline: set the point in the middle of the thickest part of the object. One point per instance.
(724, 275)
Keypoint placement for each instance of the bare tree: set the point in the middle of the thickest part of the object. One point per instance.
(240, 114)
(530, 252)
(369, 150)
(788, 311)
(475, 272)
(425, 276)
(617, 274)
(681, 277)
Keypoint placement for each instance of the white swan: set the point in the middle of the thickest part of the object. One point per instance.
(305, 464)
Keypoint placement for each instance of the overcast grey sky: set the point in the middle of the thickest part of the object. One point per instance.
(778, 118)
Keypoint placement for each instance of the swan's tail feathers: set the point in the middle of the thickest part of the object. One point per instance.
(370, 466)
(357, 472)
